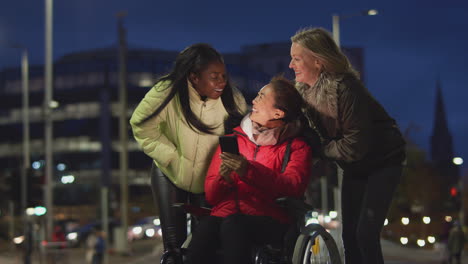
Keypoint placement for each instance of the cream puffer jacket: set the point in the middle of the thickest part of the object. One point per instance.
(181, 153)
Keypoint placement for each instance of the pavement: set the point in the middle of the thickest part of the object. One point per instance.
(149, 251)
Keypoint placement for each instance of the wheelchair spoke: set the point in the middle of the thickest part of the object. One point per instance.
(316, 246)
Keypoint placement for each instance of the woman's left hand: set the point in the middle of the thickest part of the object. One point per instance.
(237, 163)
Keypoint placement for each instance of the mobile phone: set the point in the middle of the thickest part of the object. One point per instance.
(229, 144)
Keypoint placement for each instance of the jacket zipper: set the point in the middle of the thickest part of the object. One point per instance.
(196, 149)
(257, 147)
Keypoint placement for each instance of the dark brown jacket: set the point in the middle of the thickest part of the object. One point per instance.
(356, 130)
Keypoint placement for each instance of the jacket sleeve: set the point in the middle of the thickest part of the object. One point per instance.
(292, 182)
(355, 122)
(216, 188)
(151, 135)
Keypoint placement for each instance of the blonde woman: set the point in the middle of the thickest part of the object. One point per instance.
(356, 132)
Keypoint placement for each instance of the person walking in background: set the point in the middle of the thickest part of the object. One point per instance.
(456, 243)
(99, 247)
(90, 245)
(356, 132)
(177, 124)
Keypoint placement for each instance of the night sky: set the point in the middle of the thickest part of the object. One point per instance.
(408, 46)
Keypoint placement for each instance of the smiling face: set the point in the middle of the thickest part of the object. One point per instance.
(263, 108)
(211, 81)
(306, 66)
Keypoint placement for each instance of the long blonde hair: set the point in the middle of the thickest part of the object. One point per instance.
(320, 42)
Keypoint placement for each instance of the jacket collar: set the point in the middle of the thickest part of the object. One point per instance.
(323, 96)
(272, 136)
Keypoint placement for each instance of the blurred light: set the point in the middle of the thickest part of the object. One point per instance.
(67, 179)
(421, 242)
(386, 222)
(61, 167)
(72, 236)
(145, 82)
(160, 232)
(457, 161)
(18, 240)
(403, 240)
(53, 104)
(405, 220)
(137, 230)
(426, 220)
(150, 232)
(312, 221)
(36, 165)
(40, 210)
(136, 209)
(315, 214)
(327, 219)
(453, 191)
(372, 12)
(431, 239)
(156, 222)
(30, 211)
(448, 218)
(333, 214)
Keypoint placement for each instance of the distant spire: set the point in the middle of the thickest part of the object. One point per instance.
(441, 142)
(441, 139)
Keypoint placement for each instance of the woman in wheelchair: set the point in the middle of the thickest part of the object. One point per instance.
(242, 188)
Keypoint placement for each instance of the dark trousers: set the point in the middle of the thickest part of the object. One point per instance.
(173, 220)
(365, 202)
(455, 258)
(235, 235)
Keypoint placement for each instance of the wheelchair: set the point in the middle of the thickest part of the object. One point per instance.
(312, 244)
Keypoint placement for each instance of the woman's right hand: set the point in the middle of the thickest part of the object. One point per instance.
(225, 172)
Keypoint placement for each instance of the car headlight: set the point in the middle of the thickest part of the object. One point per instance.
(72, 236)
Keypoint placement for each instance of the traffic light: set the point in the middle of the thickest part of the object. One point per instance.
(455, 198)
(453, 191)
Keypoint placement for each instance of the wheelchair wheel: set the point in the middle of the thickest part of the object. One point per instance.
(315, 246)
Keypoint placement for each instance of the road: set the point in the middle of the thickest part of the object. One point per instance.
(149, 251)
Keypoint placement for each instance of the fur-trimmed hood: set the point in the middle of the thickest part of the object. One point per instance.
(323, 96)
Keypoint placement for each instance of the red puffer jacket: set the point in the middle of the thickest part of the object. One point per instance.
(255, 193)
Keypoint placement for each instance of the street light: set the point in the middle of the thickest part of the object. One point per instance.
(48, 126)
(25, 112)
(336, 37)
(336, 22)
(458, 161)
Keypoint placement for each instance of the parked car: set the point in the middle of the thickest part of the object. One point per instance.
(78, 236)
(148, 227)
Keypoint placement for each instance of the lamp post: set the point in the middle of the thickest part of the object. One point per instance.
(48, 81)
(25, 120)
(458, 161)
(26, 139)
(336, 36)
(123, 133)
(336, 22)
(337, 191)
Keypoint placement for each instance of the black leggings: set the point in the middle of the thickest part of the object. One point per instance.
(173, 220)
(365, 201)
(236, 235)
